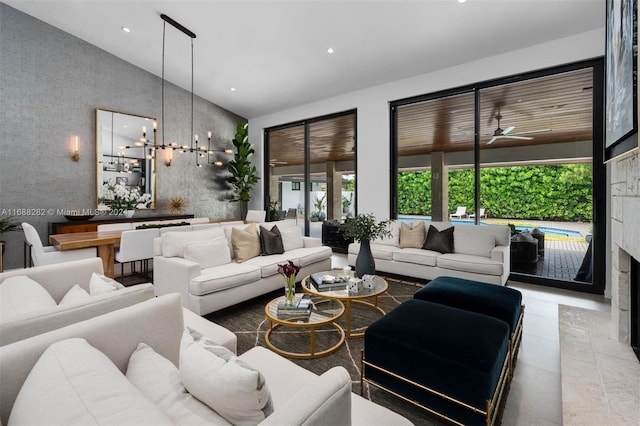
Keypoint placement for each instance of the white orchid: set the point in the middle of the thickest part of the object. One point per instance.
(123, 198)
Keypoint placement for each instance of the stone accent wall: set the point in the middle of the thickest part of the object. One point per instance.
(625, 237)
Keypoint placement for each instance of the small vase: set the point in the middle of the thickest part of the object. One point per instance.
(365, 264)
(128, 213)
(290, 290)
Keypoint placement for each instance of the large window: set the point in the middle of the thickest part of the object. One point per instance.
(523, 151)
(312, 170)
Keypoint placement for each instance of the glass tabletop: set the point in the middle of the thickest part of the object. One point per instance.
(378, 286)
(322, 310)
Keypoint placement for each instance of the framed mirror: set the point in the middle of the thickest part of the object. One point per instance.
(125, 155)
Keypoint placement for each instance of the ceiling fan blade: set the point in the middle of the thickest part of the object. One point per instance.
(524, 138)
(533, 132)
(492, 140)
(508, 130)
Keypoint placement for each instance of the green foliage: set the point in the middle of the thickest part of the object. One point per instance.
(562, 192)
(319, 203)
(414, 193)
(243, 174)
(8, 224)
(365, 227)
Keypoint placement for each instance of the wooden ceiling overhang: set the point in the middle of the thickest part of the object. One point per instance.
(555, 109)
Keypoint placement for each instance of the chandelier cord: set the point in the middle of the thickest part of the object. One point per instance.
(164, 26)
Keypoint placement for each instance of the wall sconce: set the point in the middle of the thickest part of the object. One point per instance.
(168, 157)
(75, 149)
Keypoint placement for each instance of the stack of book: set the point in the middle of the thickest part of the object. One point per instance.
(329, 282)
(301, 308)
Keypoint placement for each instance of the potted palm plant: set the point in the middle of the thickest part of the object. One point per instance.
(364, 228)
(243, 174)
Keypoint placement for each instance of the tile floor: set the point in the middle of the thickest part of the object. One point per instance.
(536, 396)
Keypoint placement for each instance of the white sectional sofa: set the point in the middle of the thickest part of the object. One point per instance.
(57, 280)
(208, 276)
(94, 386)
(480, 253)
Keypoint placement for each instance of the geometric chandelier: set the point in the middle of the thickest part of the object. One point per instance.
(200, 150)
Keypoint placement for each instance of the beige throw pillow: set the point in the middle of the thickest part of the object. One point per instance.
(245, 243)
(411, 236)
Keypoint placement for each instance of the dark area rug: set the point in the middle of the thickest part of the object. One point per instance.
(248, 321)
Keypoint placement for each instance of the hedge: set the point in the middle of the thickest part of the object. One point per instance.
(559, 193)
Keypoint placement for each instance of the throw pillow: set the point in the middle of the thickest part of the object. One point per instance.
(229, 386)
(271, 241)
(173, 242)
(245, 243)
(474, 243)
(440, 241)
(292, 238)
(159, 380)
(411, 237)
(74, 383)
(75, 295)
(99, 284)
(208, 253)
(21, 295)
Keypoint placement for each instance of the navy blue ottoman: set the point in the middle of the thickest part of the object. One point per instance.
(449, 361)
(497, 301)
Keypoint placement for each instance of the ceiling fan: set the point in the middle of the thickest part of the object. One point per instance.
(275, 162)
(499, 133)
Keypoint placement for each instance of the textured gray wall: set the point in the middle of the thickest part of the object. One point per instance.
(50, 85)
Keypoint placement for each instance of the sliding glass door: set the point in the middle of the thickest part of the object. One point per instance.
(524, 151)
(312, 170)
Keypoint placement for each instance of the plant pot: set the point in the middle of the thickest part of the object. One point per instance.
(365, 263)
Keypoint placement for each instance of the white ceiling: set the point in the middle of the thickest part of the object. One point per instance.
(275, 52)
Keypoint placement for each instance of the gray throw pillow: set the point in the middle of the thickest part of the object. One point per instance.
(440, 241)
(271, 241)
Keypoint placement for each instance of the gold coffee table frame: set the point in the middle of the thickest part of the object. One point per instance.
(380, 287)
(318, 317)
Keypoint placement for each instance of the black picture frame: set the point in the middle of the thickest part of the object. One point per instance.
(621, 78)
(295, 186)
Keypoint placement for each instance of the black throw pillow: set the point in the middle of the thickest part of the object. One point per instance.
(440, 241)
(271, 241)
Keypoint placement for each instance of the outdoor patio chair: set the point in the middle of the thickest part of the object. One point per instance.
(460, 213)
(292, 213)
(482, 214)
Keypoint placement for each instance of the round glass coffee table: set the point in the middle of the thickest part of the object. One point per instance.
(324, 312)
(366, 297)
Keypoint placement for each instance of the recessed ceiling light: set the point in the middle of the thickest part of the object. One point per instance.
(126, 29)
(461, 1)
(330, 50)
(233, 89)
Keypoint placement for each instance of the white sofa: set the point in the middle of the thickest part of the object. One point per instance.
(205, 289)
(481, 253)
(59, 278)
(299, 396)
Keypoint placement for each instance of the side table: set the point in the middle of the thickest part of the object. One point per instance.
(324, 312)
